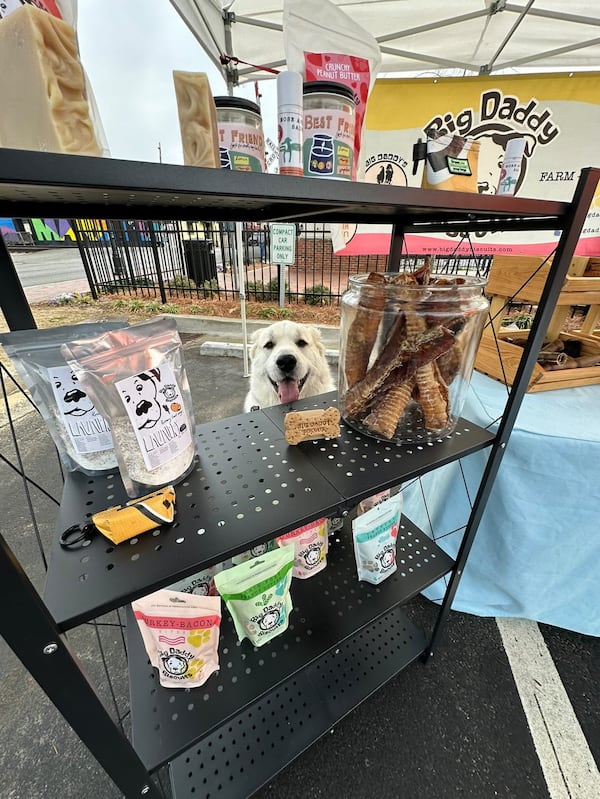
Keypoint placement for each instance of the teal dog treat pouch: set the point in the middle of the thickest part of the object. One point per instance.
(375, 534)
(257, 594)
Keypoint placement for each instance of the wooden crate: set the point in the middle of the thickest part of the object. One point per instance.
(515, 278)
(488, 362)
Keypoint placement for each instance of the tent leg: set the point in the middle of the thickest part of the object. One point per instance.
(239, 255)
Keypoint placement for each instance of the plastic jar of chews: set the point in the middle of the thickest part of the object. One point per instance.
(329, 120)
(241, 137)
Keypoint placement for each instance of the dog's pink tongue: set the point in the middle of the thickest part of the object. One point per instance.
(287, 391)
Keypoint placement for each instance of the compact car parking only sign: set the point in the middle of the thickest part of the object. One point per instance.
(283, 243)
(283, 251)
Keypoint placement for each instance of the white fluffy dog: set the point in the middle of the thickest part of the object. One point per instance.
(287, 363)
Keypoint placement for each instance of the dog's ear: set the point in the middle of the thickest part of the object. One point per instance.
(254, 340)
(315, 334)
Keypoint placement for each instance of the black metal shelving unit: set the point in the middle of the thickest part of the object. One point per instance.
(346, 638)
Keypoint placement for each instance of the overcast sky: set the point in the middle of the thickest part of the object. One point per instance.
(129, 49)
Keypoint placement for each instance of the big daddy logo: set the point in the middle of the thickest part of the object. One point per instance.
(498, 119)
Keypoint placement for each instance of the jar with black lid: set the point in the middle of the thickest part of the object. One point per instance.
(329, 120)
(241, 137)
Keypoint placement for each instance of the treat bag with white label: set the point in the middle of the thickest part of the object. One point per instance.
(257, 594)
(375, 535)
(80, 432)
(137, 379)
(310, 548)
(451, 162)
(181, 636)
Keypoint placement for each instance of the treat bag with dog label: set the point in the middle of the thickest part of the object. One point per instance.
(201, 584)
(375, 534)
(451, 163)
(310, 548)
(254, 552)
(257, 594)
(181, 636)
(137, 379)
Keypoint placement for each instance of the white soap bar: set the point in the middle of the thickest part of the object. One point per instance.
(42, 89)
(197, 119)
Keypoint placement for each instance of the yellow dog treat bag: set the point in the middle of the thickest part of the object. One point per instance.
(451, 162)
(181, 635)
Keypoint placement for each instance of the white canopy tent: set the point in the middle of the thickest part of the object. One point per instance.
(474, 36)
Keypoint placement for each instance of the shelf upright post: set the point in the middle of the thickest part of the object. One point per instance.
(572, 227)
(34, 637)
(14, 303)
(396, 247)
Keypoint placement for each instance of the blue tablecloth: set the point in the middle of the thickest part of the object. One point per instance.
(537, 552)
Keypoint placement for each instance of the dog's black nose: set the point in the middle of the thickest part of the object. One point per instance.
(287, 363)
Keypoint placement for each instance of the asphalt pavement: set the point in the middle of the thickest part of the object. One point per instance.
(452, 728)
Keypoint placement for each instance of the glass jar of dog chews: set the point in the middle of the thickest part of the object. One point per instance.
(241, 138)
(329, 120)
(407, 347)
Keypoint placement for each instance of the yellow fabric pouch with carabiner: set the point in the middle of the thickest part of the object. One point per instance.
(138, 516)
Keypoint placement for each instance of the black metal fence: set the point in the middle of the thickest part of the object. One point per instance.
(169, 260)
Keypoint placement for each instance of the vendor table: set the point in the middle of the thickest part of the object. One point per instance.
(537, 550)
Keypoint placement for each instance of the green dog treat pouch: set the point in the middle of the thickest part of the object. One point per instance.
(257, 594)
(375, 534)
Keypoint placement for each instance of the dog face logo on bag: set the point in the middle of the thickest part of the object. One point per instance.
(386, 558)
(311, 556)
(72, 400)
(174, 663)
(269, 618)
(498, 119)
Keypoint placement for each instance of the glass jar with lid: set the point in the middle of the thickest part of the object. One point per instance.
(241, 137)
(329, 120)
(407, 350)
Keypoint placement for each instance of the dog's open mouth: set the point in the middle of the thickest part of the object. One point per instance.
(288, 390)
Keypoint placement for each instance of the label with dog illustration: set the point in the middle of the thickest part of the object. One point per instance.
(257, 594)
(156, 410)
(87, 429)
(310, 548)
(375, 534)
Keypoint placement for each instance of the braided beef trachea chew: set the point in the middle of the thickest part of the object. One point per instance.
(363, 330)
(385, 415)
(432, 391)
(396, 367)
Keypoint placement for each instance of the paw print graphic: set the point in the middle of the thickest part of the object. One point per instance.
(195, 667)
(198, 637)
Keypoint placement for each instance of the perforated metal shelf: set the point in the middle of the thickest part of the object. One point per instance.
(246, 752)
(328, 609)
(358, 466)
(248, 486)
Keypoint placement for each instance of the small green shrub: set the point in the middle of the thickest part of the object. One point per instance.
(263, 292)
(169, 308)
(181, 282)
(210, 288)
(195, 309)
(269, 312)
(317, 295)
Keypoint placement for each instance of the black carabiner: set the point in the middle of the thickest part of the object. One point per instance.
(76, 536)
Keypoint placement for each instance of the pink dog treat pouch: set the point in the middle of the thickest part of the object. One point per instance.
(257, 594)
(375, 534)
(181, 636)
(310, 548)
(136, 377)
